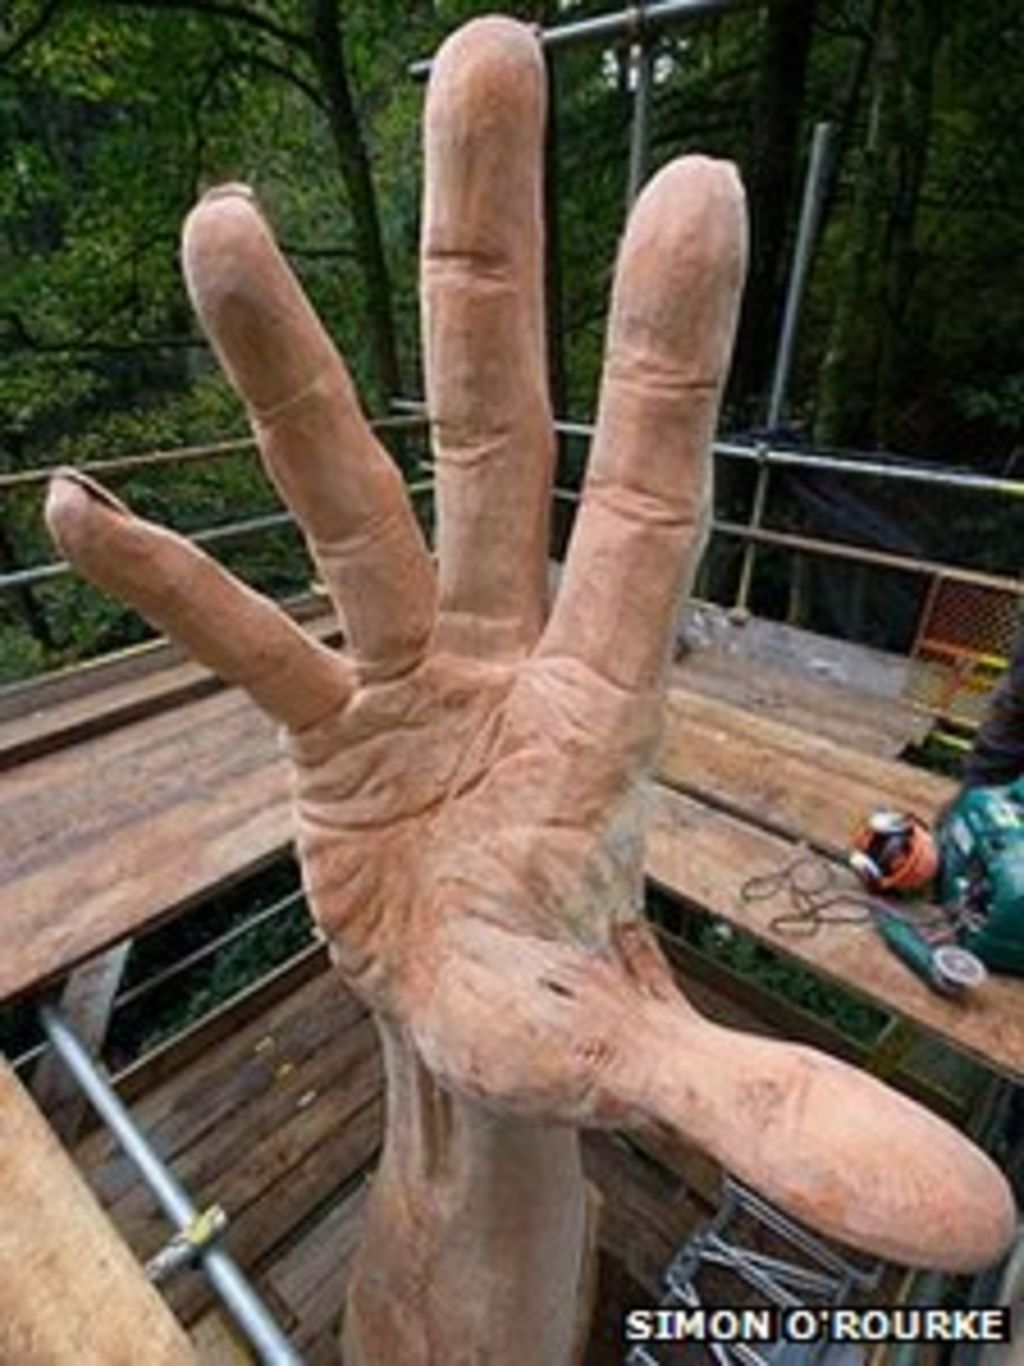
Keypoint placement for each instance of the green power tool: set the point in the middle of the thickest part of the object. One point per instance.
(981, 848)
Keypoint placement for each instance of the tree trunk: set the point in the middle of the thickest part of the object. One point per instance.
(328, 57)
(770, 177)
(920, 43)
(862, 371)
(479, 1240)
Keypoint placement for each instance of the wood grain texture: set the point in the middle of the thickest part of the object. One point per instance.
(118, 833)
(704, 857)
(777, 774)
(61, 1261)
(101, 696)
(124, 830)
(86, 1003)
(297, 1234)
(864, 721)
(271, 1123)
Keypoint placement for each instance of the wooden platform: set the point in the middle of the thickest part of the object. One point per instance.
(142, 789)
(280, 1122)
(836, 689)
(121, 808)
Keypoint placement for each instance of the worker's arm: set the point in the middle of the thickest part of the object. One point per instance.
(997, 756)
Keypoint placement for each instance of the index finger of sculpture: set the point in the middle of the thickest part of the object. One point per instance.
(484, 348)
(646, 499)
(318, 448)
(219, 620)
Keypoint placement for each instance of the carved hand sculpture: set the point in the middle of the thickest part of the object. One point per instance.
(468, 772)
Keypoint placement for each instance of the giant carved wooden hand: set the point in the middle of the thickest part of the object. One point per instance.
(467, 774)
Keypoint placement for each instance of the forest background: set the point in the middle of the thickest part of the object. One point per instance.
(116, 114)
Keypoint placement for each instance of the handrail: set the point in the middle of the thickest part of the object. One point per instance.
(635, 21)
(413, 413)
(763, 453)
(127, 464)
(881, 559)
(196, 958)
(40, 573)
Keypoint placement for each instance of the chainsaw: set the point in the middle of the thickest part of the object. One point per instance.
(975, 862)
(981, 878)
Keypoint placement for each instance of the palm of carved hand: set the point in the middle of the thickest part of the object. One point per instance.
(471, 871)
(468, 772)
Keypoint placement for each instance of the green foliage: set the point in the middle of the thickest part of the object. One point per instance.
(187, 996)
(786, 979)
(114, 117)
(165, 1012)
(20, 654)
(1000, 404)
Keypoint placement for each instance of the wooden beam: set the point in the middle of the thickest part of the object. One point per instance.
(703, 858)
(70, 1290)
(119, 833)
(157, 681)
(86, 1002)
(783, 778)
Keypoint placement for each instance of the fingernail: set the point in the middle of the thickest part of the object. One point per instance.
(231, 189)
(67, 478)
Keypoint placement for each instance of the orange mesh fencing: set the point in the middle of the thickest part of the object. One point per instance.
(963, 647)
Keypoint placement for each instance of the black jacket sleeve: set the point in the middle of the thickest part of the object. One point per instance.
(997, 756)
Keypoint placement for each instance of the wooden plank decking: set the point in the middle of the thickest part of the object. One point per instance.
(126, 803)
(121, 807)
(115, 832)
(280, 1121)
(281, 1124)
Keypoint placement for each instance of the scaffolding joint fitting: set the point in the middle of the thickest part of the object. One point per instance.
(188, 1244)
(637, 23)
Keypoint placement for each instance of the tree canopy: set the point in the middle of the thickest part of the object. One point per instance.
(115, 115)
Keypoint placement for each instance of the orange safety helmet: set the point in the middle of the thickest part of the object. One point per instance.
(894, 851)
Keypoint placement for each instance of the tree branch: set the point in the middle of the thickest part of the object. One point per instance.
(284, 73)
(291, 38)
(22, 337)
(31, 32)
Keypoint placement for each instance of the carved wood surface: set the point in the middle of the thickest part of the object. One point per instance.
(113, 834)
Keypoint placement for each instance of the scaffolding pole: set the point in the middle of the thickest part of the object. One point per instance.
(810, 216)
(642, 59)
(235, 1292)
(810, 219)
(626, 23)
(871, 465)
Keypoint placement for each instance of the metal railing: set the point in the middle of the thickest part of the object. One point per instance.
(232, 1287)
(128, 465)
(203, 957)
(412, 414)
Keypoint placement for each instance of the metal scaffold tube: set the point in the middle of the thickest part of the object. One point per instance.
(224, 1275)
(642, 59)
(810, 216)
(873, 465)
(626, 23)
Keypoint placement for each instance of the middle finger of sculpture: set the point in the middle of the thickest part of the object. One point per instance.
(468, 772)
